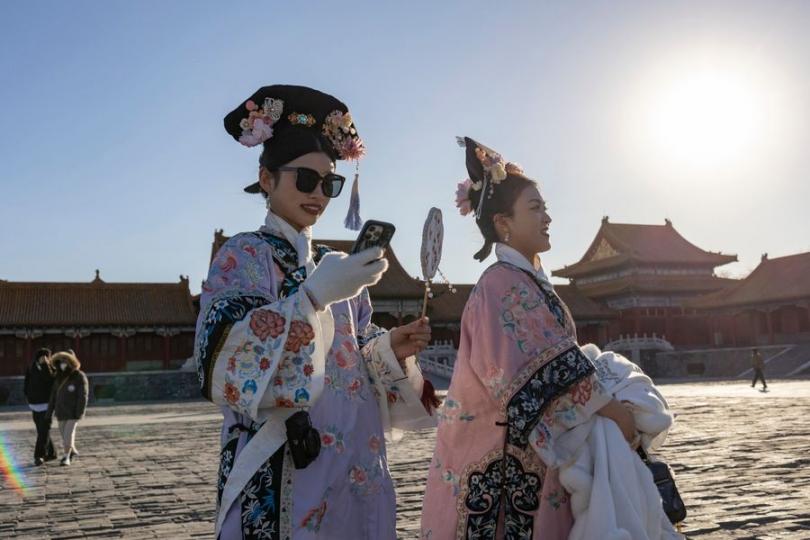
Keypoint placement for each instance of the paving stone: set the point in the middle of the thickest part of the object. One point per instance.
(740, 458)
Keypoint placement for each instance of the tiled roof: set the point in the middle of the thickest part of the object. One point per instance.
(616, 244)
(774, 280)
(95, 304)
(656, 284)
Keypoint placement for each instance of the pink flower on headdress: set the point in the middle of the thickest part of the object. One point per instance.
(352, 148)
(257, 127)
(257, 135)
(463, 202)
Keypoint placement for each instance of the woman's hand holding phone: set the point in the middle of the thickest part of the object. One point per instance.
(339, 276)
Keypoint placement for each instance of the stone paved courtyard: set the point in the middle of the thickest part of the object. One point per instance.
(740, 456)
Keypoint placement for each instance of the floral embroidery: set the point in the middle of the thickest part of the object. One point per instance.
(231, 393)
(260, 500)
(553, 379)
(295, 368)
(366, 479)
(557, 498)
(345, 375)
(517, 321)
(264, 364)
(358, 475)
(494, 381)
(257, 126)
(220, 315)
(300, 335)
(228, 264)
(331, 437)
(312, 519)
(484, 496)
(581, 392)
(267, 323)
(451, 478)
(450, 412)
(374, 444)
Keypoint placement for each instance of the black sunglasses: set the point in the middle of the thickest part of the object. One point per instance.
(307, 180)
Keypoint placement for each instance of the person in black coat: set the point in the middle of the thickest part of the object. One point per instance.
(39, 379)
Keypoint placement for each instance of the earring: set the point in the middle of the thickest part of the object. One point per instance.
(506, 238)
(267, 203)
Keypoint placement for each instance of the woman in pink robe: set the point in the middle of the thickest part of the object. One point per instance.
(520, 380)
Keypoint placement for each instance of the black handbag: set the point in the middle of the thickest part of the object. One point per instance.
(662, 476)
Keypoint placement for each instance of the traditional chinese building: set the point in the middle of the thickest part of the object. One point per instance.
(771, 306)
(646, 275)
(110, 326)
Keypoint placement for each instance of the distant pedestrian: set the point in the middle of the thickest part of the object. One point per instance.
(759, 369)
(39, 378)
(68, 400)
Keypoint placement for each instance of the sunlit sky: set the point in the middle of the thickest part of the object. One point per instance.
(113, 156)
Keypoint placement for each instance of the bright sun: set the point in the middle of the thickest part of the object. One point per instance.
(706, 119)
(698, 117)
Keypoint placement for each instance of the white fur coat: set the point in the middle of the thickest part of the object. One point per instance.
(613, 496)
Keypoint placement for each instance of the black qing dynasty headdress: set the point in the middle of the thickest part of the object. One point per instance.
(486, 169)
(291, 121)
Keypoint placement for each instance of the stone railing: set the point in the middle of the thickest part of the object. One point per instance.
(173, 385)
(439, 359)
(636, 342)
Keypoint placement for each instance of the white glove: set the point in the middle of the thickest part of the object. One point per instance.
(339, 276)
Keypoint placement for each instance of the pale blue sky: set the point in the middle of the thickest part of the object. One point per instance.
(113, 156)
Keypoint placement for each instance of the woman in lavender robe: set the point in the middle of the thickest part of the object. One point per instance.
(285, 326)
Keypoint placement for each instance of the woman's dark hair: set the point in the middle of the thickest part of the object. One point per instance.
(293, 143)
(42, 352)
(502, 202)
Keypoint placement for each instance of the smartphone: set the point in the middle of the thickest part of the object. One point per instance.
(374, 234)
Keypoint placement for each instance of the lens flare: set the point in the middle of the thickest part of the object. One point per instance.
(12, 474)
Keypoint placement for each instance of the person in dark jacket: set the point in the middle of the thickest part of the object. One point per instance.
(68, 400)
(39, 378)
(758, 363)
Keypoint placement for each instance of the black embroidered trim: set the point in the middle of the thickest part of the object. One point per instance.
(522, 490)
(548, 383)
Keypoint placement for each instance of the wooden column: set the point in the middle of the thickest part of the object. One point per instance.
(167, 333)
(166, 350)
(769, 318)
(122, 334)
(734, 329)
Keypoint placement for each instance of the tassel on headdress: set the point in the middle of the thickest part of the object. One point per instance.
(353, 221)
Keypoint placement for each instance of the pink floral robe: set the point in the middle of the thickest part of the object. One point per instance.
(520, 380)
